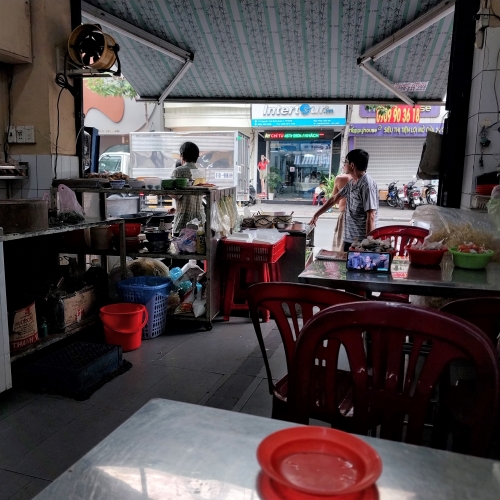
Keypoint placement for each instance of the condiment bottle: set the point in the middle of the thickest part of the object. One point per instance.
(201, 243)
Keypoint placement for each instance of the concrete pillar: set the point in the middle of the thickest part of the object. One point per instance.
(484, 114)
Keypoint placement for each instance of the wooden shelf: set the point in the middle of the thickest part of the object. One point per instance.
(54, 337)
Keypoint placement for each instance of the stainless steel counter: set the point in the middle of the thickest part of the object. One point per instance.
(177, 450)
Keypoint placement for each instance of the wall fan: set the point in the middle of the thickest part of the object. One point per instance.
(90, 47)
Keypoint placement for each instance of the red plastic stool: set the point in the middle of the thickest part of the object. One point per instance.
(265, 273)
(259, 263)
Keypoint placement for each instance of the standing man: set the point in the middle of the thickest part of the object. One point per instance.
(361, 194)
(263, 173)
(338, 236)
(187, 207)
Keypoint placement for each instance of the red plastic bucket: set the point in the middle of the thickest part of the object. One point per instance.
(123, 324)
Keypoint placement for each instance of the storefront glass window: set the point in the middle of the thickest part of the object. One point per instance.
(301, 161)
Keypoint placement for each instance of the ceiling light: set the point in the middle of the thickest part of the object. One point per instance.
(367, 68)
(422, 22)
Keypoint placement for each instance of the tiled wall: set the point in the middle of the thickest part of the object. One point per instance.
(41, 174)
(484, 104)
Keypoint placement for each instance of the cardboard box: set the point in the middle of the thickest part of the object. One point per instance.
(382, 194)
(79, 305)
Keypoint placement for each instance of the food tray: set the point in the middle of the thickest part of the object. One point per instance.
(253, 252)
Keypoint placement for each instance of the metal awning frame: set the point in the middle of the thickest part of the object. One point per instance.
(401, 36)
(103, 18)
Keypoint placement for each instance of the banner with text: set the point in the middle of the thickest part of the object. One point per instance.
(394, 130)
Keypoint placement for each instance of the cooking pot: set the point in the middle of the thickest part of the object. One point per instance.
(22, 216)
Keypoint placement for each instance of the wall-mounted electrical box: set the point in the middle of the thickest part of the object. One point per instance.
(21, 134)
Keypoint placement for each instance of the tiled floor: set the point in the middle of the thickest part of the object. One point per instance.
(41, 436)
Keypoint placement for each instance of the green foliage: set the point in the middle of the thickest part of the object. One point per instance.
(382, 110)
(329, 182)
(274, 179)
(111, 87)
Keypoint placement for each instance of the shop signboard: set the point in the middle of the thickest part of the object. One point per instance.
(399, 114)
(298, 115)
(394, 130)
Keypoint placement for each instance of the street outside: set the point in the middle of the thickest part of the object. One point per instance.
(325, 227)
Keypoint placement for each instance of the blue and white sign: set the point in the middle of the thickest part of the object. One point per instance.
(298, 115)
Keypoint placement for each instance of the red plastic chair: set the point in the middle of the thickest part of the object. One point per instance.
(484, 312)
(286, 301)
(401, 237)
(388, 385)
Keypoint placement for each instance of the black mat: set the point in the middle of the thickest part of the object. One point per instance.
(75, 371)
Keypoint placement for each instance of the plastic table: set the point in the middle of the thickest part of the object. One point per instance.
(178, 450)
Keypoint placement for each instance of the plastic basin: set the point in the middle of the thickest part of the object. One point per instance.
(131, 229)
(471, 260)
(420, 257)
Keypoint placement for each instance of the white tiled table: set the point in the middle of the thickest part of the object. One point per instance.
(177, 450)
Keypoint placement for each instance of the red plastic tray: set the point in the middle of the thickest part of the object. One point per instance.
(253, 252)
(319, 461)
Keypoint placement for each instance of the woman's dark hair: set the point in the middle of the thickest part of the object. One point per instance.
(189, 152)
(360, 159)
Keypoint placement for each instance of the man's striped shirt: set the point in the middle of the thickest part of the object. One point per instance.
(360, 197)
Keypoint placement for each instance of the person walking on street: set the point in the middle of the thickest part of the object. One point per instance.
(361, 194)
(338, 235)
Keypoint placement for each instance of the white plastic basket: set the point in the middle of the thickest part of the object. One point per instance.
(479, 202)
(157, 313)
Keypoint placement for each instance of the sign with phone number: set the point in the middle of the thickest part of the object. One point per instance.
(398, 114)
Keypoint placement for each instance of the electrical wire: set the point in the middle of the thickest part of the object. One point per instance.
(62, 81)
(495, 87)
(6, 142)
(57, 135)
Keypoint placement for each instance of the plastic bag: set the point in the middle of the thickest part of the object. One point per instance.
(186, 241)
(216, 220)
(493, 207)
(199, 307)
(455, 227)
(175, 273)
(68, 201)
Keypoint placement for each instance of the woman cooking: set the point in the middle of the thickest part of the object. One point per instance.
(188, 207)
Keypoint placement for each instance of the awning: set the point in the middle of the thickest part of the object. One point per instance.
(281, 50)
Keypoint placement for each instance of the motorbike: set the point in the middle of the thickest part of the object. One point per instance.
(393, 199)
(413, 195)
(430, 194)
(252, 196)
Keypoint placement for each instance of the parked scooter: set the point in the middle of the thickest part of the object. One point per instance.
(393, 199)
(252, 195)
(430, 193)
(413, 195)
